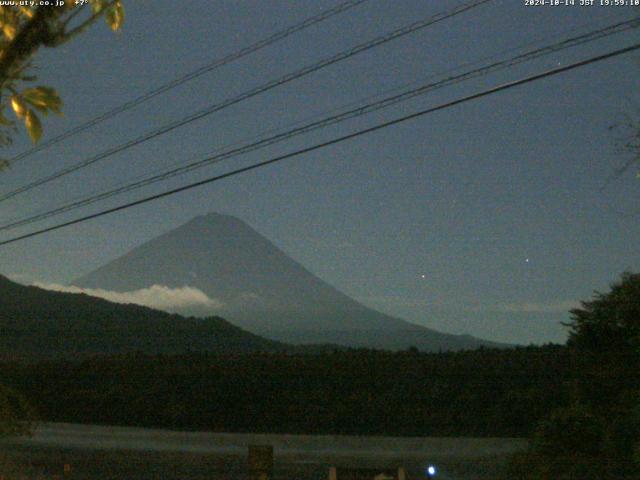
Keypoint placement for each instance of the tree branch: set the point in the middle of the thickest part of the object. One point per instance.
(34, 33)
(66, 36)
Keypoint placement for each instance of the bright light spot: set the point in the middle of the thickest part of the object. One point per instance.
(431, 470)
(526, 260)
(423, 276)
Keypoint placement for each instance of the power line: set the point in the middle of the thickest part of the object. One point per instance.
(334, 141)
(265, 42)
(115, 189)
(331, 120)
(250, 93)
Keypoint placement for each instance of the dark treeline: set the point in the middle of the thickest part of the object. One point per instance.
(37, 323)
(485, 392)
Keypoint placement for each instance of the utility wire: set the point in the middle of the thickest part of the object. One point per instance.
(331, 120)
(251, 93)
(316, 116)
(265, 42)
(380, 126)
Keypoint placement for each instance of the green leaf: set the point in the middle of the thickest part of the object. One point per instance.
(9, 31)
(26, 11)
(42, 109)
(115, 16)
(18, 106)
(35, 97)
(97, 5)
(34, 127)
(43, 98)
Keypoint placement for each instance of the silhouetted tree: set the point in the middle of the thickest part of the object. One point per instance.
(599, 436)
(610, 322)
(627, 130)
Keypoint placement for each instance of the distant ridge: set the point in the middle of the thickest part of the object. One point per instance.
(37, 323)
(262, 289)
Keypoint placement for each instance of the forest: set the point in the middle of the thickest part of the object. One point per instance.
(476, 393)
(579, 403)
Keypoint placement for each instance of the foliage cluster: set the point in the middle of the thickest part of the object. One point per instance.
(598, 435)
(23, 30)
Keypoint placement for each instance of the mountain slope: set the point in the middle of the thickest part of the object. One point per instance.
(36, 322)
(261, 288)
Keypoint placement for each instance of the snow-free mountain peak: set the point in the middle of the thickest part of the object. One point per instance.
(259, 287)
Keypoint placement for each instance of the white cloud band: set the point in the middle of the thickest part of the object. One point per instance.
(155, 296)
(534, 307)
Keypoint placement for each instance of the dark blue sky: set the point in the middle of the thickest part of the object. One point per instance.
(490, 218)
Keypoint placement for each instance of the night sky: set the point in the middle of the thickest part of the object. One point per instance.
(491, 218)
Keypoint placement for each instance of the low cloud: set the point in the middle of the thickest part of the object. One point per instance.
(535, 307)
(470, 306)
(156, 296)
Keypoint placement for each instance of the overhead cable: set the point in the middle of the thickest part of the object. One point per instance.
(248, 94)
(331, 120)
(333, 141)
(209, 67)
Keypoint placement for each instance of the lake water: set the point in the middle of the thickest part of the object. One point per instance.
(149, 452)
